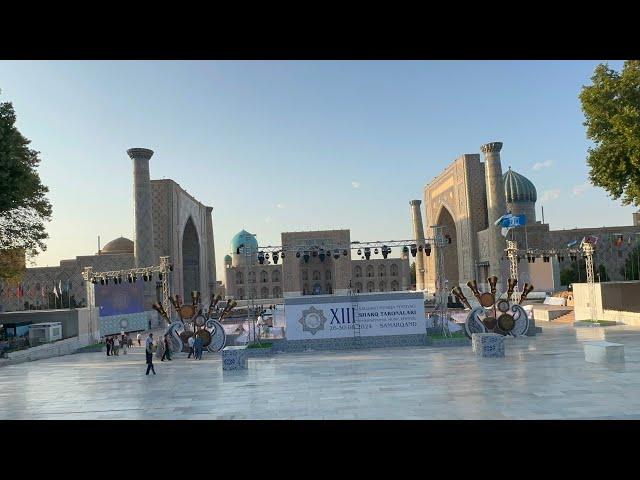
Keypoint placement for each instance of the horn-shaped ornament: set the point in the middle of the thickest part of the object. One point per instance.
(526, 290)
(473, 285)
(160, 309)
(457, 291)
(511, 285)
(194, 297)
(493, 281)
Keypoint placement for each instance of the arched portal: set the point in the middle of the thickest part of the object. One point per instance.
(190, 259)
(450, 250)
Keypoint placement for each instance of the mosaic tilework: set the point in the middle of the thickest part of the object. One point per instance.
(487, 344)
(129, 322)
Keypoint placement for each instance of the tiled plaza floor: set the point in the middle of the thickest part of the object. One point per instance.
(543, 377)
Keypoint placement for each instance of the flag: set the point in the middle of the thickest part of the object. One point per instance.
(619, 240)
(20, 290)
(572, 243)
(501, 220)
(55, 290)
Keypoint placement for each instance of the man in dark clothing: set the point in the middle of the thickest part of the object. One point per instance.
(167, 350)
(149, 354)
(108, 343)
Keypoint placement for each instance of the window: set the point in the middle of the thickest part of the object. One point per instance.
(394, 270)
(357, 272)
(240, 293)
(383, 286)
(252, 277)
(358, 287)
(328, 288)
(382, 271)
(328, 275)
(369, 270)
(264, 277)
(277, 293)
(264, 292)
(370, 287)
(275, 276)
(239, 278)
(305, 275)
(394, 286)
(316, 275)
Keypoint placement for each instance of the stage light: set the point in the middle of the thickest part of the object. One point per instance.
(405, 249)
(545, 259)
(427, 249)
(375, 251)
(385, 251)
(533, 259)
(275, 257)
(561, 258)
(134, 278)
(160, 275)
(314, 253)
(171, 268)
(306, 257)
(282, 254)
(145, 277)
(448, 237)
(94, 281)
(419, 248)
(266, 255)
(573, 257)
(297, 254)
(359, 252)
(336, 254)
(321, 255)
(261, 257)
(345, 252)
(367, 253)
(414, 249)
(101, 281)
(130, 278)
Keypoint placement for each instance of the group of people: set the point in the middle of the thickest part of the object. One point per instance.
(115, 342)
(196, 344)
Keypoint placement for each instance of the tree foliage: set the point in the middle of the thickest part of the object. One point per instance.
(631, 269)
(412, 270)
(612, 109)
(24, 206)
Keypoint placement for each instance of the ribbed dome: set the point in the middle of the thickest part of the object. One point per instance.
(245, 238)
(227, 259)
(119, 245)
(518, 188)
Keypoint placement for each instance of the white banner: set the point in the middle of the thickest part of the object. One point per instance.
(312, 320)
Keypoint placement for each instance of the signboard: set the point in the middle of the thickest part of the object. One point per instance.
(119, 299)
(332, 316)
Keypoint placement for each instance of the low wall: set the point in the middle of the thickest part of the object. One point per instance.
(615, 301)
(55, 349)
(283, 345)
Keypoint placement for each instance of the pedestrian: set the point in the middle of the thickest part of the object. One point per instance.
(116, 346)
(191, 342)
(167, 350)
(107, 342)
(198, 348)
(129, 341)
(149, 354)
(138, 337)
(125, 344)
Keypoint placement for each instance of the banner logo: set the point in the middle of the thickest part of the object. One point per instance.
(312, 320)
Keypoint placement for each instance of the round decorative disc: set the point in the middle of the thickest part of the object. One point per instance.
(187, 312)
(206, 337)
(487, 299)
(185, 336)
(521, 321)
(489, 321)
(200, 321)
(506, 322)
(503, 306)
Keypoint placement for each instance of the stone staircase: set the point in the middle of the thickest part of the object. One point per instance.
(566, 318)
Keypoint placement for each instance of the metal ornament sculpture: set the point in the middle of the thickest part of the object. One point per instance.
(494, 314)
(195, 322)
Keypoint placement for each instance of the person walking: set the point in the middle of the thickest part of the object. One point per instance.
(129, 341)
(107, 342)
(149, 353)
(167, 350)
(116, 345)
(125, 344)
(139, 337)
(198, 348)
(191, 342)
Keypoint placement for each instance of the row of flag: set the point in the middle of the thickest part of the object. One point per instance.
(21, 291)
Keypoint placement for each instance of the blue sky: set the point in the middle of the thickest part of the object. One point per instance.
(289, 146)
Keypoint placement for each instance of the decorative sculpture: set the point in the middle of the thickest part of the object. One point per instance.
(194, 321)
(494, 314)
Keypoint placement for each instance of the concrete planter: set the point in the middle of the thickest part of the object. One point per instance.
(259, 352)
(601, 323)
(448, 342)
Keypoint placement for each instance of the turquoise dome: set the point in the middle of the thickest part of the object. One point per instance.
(245, 238)
(518, 188)
(227, 259)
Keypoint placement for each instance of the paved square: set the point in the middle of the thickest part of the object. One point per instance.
(542, 377)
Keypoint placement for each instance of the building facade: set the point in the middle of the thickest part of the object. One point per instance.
(168, 221)
(314, 263)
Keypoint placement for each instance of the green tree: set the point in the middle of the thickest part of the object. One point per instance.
(631, 268)
(23, 205)
(571, 274)
(612, 109)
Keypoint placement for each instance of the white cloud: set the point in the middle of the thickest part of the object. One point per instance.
(355, 184)
(580, 189)
(549, 195)
(280, 205)
(267, 219)
(540, 165)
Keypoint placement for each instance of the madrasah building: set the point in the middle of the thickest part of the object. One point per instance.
(168, 221)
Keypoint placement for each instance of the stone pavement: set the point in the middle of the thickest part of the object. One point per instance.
(542, 377)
